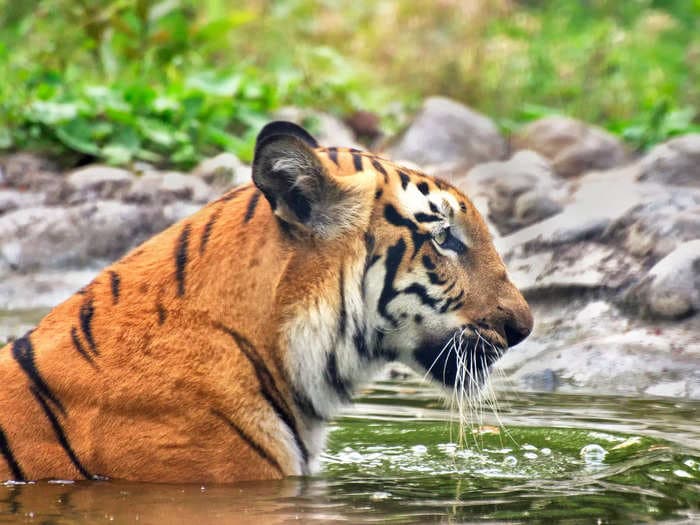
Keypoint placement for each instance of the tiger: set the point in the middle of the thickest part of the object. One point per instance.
(219, 349)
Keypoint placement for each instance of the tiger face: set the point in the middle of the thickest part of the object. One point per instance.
(397, 265)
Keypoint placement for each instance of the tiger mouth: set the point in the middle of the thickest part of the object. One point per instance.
(463, 358)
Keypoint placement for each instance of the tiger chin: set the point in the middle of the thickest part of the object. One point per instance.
(218, 350)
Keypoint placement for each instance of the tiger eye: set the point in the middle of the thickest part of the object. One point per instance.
(440, 236)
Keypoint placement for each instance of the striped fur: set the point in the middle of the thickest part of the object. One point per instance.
(218, 350)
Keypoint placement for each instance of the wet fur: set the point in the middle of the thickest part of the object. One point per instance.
(217, 350)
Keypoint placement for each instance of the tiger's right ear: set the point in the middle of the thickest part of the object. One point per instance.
(297, 185)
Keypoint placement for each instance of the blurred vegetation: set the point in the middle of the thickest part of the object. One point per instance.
(171, 81)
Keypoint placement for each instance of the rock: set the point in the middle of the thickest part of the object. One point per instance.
(27, 293)
(667, 389)
(53, 237)
(519, 192)
(28, 172)
(566, 268)
(18, 170)
(12, 200)
(177, 210)
(671, 289)
(447, 137)
(222, 172)
(99, 182)
(365, 125)
(573, 146)
(166, 187)
(327, 129)
(676, 162)
(660, 223)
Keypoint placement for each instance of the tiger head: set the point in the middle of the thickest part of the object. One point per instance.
(393, 264)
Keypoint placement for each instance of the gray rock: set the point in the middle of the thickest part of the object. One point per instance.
(675, 162)
(573, 146)
(327, 129)
(28, 172)
(447, 137)
(99, 182)
(519, 192)
(11, 200)
(222, 172)
(18, 170)
(657, 225)
(167, 187)
(53, 237)
(671, 289)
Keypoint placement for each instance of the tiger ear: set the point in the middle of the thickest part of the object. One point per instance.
(297, 185)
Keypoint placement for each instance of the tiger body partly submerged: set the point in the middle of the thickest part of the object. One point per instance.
(218, 350)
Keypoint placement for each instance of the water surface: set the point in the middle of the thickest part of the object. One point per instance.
(396, 458)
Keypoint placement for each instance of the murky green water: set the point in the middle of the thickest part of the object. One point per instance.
(394, 458)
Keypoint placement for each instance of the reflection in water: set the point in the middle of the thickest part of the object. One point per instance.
(391, 458)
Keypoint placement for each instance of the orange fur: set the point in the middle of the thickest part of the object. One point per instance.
(172, 364)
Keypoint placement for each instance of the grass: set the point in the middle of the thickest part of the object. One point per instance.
(172, 81)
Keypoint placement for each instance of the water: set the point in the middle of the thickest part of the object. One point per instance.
(395, 458)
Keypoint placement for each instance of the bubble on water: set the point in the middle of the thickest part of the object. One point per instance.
(682, 474)
(353, 456)
(530, 455)
(593, 454)
(379, 496)
(546, 451)
(447, 448)
(419, 449)
(690, 463)
(527, 446)
(510, 461)
(347, 449)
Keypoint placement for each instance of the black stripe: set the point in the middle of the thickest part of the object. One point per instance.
(206, 233)
(433, 207)
(395, 218)
(79, 346)
(162, 313)
(115, 282)
(428, 263)
(6, 451)
(435, 278)
(343, 314)
(251, 443)
(61, 435)
(378, 166)
(356, 160)
(307, 407)
(422, 293)
(404, 179)
(360, 343)
(87, 311)
(334, 380)
(268, 387)
(333, 155)
(23, 352)
(425, 217)
(181, 259)
(252, 203)
(423, 187)
(394, 255)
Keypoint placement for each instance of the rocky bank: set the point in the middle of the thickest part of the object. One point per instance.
(604, 243)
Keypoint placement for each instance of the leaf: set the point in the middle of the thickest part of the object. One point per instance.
(77, 135)
(214, 84)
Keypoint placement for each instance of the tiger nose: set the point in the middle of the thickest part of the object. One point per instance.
(518, 325)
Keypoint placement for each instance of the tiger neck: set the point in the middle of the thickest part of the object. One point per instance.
(332, 349)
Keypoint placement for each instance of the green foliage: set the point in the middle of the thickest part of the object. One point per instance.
(170, 81)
